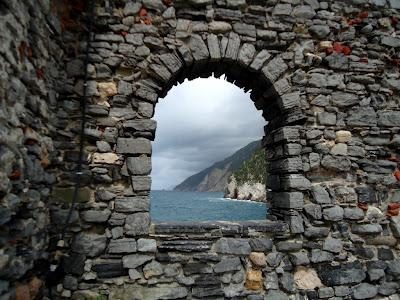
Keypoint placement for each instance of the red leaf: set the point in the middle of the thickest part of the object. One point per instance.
(363, 15)
(143, 12)
(397, 175)
(123, 33)
(346, 50)
(40, 73)
(354, 21)
(31, 142)
(15, 175)
(395, 159)
(337, 47)
(363, 206)
(392, 206)
(394, 20)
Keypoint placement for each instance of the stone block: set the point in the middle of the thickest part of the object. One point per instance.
(109, 269)
(133, 146)
(320, 195)
(96, 216)
(245, 29)
(91, 244)
(288, 134)
(214, 47)
(290, 100)
(137, 224)
(336, 163)
(346, 273)
(139, 165)
(232, 246)
(246, 54)
(133, 261)
(141, 183)
(228, 265)
(261, 244)
(132, 204)
(294, 200)
(286, 165)
(366, 228)
(274, 69)
(333, 213)
(232, 48)
(126, 245)
(363, 116)
(141, 125)
(147, 245)
(260, 59)
(389, 118)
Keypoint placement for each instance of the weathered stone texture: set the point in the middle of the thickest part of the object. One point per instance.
(324, 75)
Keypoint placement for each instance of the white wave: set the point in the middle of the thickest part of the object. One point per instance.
(233, 200)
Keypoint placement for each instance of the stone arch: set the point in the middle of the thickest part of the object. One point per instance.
(330, 89)
(266, 76)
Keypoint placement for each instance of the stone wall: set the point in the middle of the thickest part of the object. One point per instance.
(325, 75)
(31, 77)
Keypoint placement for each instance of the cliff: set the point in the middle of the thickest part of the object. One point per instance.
(215, 178)
(249, 181)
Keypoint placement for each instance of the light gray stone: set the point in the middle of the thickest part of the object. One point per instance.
(137, 224)
(126, 245)
(333, 214)
(336, 163)
(199, 48)
(139, 165)
(228, 265)
(91, 244)
(133, 261)
(364, 291)
(320, 195)
(274, 69)
(232, 49)
(132, 204)
(147, 245)
(232, 246)
(96, 216)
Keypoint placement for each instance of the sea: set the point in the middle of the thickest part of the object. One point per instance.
(202, 206)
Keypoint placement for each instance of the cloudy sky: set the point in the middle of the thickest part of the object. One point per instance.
(199, 123)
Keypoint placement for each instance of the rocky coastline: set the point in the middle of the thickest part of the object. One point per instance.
(252, 191)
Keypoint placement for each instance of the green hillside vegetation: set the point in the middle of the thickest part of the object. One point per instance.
(253, 170)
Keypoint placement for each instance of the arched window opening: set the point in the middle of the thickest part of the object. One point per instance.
(207, 154)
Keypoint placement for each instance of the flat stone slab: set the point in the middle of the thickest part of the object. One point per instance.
(225, 227)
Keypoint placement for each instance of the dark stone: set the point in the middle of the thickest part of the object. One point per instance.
(385, 254)
(366, 194)
(202, 292)
(207, 280)
(261, 244)
(347, 273)
(110, 269)
(74, 263)
(364, 252)
(197, 268)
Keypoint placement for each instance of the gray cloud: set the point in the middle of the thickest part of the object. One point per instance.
(199, 123)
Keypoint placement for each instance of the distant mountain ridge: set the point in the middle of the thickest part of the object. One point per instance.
(215, 177)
